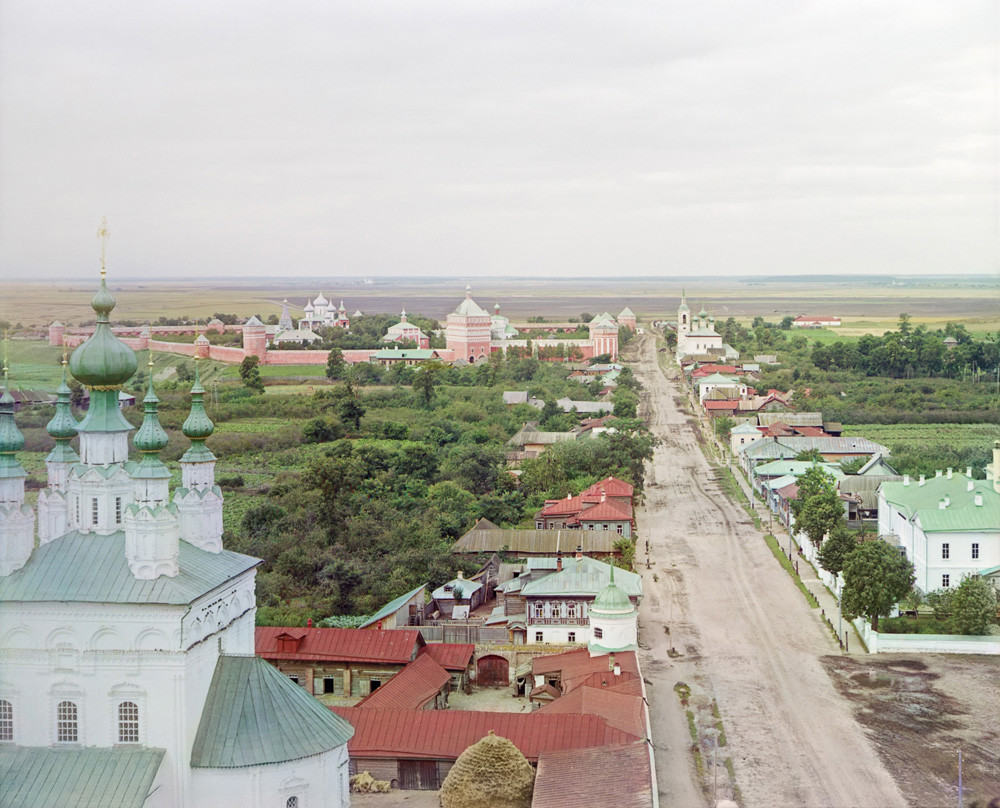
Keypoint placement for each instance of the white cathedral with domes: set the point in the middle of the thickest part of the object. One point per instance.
(127, 667)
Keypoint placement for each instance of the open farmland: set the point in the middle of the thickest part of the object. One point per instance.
(863, 302)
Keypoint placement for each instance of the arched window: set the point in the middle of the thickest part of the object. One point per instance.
(128, 722)
(67, 728)
(539, 610)
(6, 720)
(292, 802)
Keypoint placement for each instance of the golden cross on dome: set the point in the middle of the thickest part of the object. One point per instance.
(104, 234)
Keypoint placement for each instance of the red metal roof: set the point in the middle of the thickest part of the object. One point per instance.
(725, 404)
(411, 688)
(708, 370)
(451, 656)
(607, 511)
(620, 710)
(577, 667)
(618, 776)
(341, 644)
(445, 734)
(612, 487)
(562, 507)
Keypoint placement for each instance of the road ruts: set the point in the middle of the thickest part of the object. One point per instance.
(749, 637)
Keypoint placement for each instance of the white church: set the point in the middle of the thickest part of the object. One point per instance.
(127, 667)
(697, 338)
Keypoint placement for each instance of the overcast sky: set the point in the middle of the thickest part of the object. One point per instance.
(515, 138)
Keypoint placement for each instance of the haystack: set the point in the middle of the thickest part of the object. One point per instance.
(489, 774)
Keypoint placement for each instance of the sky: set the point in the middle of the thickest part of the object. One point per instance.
(524, 138)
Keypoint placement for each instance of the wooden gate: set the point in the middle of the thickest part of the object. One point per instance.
(419, 775)
(493, 671)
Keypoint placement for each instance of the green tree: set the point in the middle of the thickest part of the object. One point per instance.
(819, 515)
(424, 381)
(185, 372)
(626, 547)
(626, 402)
(876, 578)
(350, 407)
(335, 364)
(836, 548)
(723, 426)
(974, 606)
(250, 374)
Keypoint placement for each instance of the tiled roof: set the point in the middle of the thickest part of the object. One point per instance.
(411, 688)
(395, 647)
(537, 542)
(583, 577)
(618, 776)
(452, 656)
(391, 607)
(445, 734)
(578, 667)
(89, 568)
(254, 714)
(46, 777)
(621, 710)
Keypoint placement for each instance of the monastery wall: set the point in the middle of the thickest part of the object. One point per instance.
(221, 353)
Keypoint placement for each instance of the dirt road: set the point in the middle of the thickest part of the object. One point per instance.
(747, 645)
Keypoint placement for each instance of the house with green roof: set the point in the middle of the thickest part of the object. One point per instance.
(127, 668)
(948, 525)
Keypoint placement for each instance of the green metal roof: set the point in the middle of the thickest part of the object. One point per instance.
(46, 777)
(89, 568)
(611, 600)
(391, 606)
(254, 715)
(923, 503)
(582, 576)
(796, 467)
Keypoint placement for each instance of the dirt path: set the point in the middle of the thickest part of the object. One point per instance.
(746, 639)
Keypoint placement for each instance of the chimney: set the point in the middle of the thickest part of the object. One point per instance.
(309, 623)
(460, 575)
(604, 496)
(968, 472)
(559, 561)
(611, 662)
(949, 472)
(906, 479)
(569, 496)
(969, 485)
(618, 669)
(937, 473)
(978, 499)
(942, 505)
(579, 552)
(923, 479)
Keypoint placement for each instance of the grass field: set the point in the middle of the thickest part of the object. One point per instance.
(903, 437)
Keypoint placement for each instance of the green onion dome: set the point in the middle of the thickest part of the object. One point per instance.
(11, 439)
(198, 425)
(703, 313)
(151, 437)
(611, 599)
(103, 361)
(63, 424)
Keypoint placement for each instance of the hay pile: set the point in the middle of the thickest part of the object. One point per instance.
(489, 774)
(364, 783)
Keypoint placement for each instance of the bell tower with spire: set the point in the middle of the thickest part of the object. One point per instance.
(53, 501)
(17, 520)
(199, 499)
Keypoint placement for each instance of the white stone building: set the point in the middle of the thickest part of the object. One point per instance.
(127, 666)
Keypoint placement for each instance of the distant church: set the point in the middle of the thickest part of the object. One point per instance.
(697, 338)
(127, 667)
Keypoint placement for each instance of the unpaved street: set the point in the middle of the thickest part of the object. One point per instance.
(744, 636)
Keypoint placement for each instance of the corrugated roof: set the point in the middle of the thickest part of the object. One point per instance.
(397, 646)
(608, 510)
(618, 776)
(790, 418)
(47, 777)
(452, 656)
(536, 542)
(621, 710)
(411, 688)
(583, 576)
(391, 607)
(445, 734)
(92, 569)
(255, 715)
(922, 503)
(779, 468)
